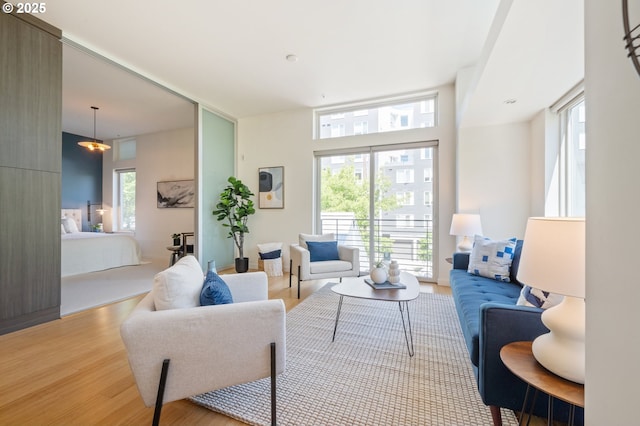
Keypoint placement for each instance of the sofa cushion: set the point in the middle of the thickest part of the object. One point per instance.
(323, 250)
(329, 266)
(470, 292)
(303, 238)
(178, 286)
(492, 259)
(537, 298)
(215, 291)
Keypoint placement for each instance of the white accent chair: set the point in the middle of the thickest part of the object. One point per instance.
(207, 347)
(300, 264)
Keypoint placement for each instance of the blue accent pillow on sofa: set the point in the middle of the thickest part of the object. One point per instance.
(215, 291)
(323, 250)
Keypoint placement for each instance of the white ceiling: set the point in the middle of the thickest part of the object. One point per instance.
(230, 56)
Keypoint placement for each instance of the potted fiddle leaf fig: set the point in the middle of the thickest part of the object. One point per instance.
(233, 209)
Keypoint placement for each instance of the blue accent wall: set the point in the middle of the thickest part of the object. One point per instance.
(81, 176)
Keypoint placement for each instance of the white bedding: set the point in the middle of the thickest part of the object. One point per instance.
(94, 251)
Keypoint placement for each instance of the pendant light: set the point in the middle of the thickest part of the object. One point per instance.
(94, 145)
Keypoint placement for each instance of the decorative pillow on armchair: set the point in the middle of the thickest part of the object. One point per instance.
(215, 291)
(323, 250)
(304, 238)
(492, 259)
(179, 286)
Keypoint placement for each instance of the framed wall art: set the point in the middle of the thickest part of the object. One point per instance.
(176, 194)
(271, 187)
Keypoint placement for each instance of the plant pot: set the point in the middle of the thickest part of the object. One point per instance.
(242, 265)
(378, 275)
(176, 242)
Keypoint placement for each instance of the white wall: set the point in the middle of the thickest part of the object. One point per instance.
(612, 92)
(159, 157)
(286, 139)
(494, 177)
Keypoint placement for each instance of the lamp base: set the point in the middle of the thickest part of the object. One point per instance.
(561, 351)
(465, 245)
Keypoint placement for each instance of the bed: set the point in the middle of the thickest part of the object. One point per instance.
(84, 252)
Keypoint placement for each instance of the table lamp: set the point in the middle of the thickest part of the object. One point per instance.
(465, 225)
(553, 260)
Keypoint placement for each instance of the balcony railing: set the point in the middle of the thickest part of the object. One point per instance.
(411, 246)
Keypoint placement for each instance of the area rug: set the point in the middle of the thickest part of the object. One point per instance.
(366, 376)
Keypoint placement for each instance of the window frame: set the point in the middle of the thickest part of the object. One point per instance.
(339, 112)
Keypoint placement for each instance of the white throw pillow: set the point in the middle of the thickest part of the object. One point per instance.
(537, 298)
(492, 259)
(69, 225)
(179, 286)
(303, 238)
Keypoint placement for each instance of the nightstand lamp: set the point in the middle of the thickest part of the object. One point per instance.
(465, 225)
(553, 260)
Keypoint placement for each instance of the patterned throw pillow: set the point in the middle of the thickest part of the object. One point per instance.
(530, 296)
(492, 259)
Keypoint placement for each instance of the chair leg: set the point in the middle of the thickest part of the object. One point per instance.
(290, 271)
(273, 384)
(160, 396)
(299, 281)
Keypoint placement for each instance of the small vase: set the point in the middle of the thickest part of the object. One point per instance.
(394, 272)
(211, 266)
(378, 275)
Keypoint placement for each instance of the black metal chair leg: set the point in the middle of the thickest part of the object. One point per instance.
(273, 384)
(160, 396)
(299, 281)
(290, 271)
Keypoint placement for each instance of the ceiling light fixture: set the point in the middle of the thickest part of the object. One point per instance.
(292, 58)
(94, 145)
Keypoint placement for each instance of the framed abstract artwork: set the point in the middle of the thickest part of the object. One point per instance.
(271, 187)
(176, 194)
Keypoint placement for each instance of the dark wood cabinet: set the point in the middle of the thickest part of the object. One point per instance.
(30, 171)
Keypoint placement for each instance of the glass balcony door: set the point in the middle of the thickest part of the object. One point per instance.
(382, 201)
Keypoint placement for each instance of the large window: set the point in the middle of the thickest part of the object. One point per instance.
(125, 202)
(370, 199)
(398, 114)
(572, 155)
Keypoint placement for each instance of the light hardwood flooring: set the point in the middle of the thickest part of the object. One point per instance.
(74, 371)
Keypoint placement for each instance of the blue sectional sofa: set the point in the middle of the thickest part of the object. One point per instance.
(490, 319)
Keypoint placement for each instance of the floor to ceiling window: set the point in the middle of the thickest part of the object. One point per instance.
(125, 200)
(573, 148)
(381, 199)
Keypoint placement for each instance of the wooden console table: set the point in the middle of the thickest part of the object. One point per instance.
(518, 358)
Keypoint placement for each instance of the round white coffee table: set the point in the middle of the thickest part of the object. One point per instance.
(356, 287)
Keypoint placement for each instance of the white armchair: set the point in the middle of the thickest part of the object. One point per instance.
(345, 264)
(207, 347)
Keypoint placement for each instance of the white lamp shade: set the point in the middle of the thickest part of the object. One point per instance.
(553, 255)
(464, 224)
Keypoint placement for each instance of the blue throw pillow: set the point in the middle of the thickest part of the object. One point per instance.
(271, 255)
(323, 250)
(215, 291)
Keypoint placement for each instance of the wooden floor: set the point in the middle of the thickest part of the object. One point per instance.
(74, 371)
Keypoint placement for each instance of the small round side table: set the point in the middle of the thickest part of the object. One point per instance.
(518, 358)
(175, 254)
